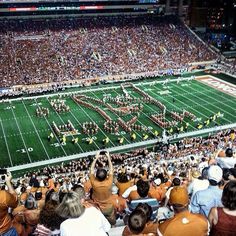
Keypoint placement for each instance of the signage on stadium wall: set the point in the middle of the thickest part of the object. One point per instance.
(218, 84)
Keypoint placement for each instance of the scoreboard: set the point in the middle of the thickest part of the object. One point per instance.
(77, 7)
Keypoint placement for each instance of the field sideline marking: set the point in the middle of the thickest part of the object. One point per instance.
(121, 147)
(26, 149)
(35, 129)
(9, 154)
(51, 129)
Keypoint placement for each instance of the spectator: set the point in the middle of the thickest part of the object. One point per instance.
(101, 188)
(150, 226)
(82, 219)
(204, 200)
(143, 189)
(8, 199)
(183, 222)
(222, 220)
(49, 220)
(199, 182)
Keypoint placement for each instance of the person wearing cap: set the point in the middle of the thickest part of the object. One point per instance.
(184, 222)
(156, 190)
(204, 200)
(199, 182)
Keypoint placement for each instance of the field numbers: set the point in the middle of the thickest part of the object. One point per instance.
(30, 149)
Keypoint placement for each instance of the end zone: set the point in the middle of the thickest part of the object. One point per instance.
(218, 84)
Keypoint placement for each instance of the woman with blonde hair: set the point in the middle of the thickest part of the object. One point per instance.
(81, 216)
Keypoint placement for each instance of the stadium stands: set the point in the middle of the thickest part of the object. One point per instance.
(35, 52)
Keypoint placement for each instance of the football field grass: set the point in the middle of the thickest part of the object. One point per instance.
(24, 136)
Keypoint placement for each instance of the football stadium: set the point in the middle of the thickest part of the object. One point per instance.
(117, 117)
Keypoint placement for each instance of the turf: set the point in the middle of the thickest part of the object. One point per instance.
(23, 135)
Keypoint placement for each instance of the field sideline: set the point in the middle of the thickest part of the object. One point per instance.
(24, 136)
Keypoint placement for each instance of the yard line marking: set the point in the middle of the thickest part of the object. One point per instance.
(219, 101)
(9, 154)
(166, 101)
(63, 122)
(90, 119)
(26, 149)
(208, 103)
(179, 101)
(52, 129)
(35, 129)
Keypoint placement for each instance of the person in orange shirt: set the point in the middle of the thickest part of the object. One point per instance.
(8, 199)
(183, 222)
(156, 190)
(122, 182)
(101, 188)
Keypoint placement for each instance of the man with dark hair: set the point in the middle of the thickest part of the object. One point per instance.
(183, 222)
(143, 189)
(101, 187)
(137, 221)
(226, 161)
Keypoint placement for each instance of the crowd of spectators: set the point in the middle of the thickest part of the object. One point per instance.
(43, 51)
(181, 188)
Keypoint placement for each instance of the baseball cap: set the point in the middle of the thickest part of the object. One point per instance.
(215, 173)
(196, 174)
(157, 181)
(179, 195)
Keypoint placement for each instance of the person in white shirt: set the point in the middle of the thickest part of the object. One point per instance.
(82, 218)
(199, 182)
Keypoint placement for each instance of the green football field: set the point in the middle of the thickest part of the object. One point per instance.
(24, 136)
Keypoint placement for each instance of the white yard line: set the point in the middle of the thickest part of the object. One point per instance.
(35, 129)
(219, 101)
(113, 90)
(199, 98)
(142, 113)
(92, 121)
(26, 149)
(4, 135)
(171, 104)
(55, 135)
(63, 123)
